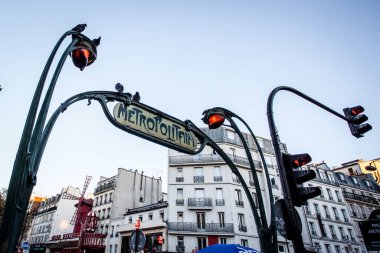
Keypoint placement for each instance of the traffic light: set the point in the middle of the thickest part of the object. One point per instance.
(295, 177)
(356, 120)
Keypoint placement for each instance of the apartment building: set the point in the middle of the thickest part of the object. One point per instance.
(327, 225)
(52, 218)
(153, 222)
(362, 196)
(114, 195)
(207, 203)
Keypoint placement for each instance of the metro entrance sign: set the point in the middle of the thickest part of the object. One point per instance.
(154, 126)
(371, 230)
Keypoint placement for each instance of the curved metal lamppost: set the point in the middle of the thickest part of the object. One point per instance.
(83, 53)
(294, 226)
(215, 117)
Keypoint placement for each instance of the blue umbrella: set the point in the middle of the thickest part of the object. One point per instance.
(227, 248)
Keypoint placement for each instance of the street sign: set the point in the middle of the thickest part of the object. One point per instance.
(25, 246)
(155, 126)
(283, 219)
(138, 237)
(371, 233)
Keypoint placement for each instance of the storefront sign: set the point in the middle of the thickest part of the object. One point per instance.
(156, 127)
(65, 236)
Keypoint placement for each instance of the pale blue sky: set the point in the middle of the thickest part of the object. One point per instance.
(184, 57)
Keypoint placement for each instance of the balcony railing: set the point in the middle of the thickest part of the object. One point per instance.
(362, 198)
(206, 227)
(218, 178)
(199, 179)
(179, 202)
(179, 179)
(239, 203)
(236, 180)
(199, 203)
(180, 248)
(105, 187)
(219, 202)
(242, 228)
(181, 159)
(251, 183)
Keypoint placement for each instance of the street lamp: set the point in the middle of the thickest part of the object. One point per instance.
(23, 178)
(294, 196)
(215, 118)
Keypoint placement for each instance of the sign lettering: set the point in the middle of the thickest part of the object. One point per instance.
(155, 126)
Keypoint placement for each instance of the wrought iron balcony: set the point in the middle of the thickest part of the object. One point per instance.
(236, 180)
(242, 228)
(251, 183)
(199, 203)
(183, 159)
(199, 179)
(179, 179)
(219, 202)
(218, 178)
(206, 227)
(179, 202)
(104, 187)
(362, 198)
(239, 203)
(180, 248)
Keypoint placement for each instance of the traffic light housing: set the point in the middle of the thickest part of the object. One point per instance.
(356, 120)
(295, 177)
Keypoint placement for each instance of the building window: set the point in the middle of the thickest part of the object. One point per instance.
(316, 207)
(344, 215)
(180, 241)
(97, 200)
(327, 213)
(150, 216)
(281, 249)
(329, 194)
(335, 213)
(317, 247)
(254, 196)
(201, 220)
(312, 228)
(337, 249)
(105, 201)
(221, 219)
(179, 194)
(244, 242)
(217, 174)
(230, 135)
(198, 175)
(101, 199)
(202, 242)
(111, 201)
(239, 199)
(130, 220)
(223, 240)
(219, 197)
(328, 248)
(140, 218)
(179, 216)
(342, 235)
(241, 220)
(337, 193)
(162, 215)
(332, 231)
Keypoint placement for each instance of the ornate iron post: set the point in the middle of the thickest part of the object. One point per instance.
(23, 178)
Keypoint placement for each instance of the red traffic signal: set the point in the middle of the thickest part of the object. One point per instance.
(215, 120)
(299, 160)
(356, 120)
(295, 178)
(160, 240)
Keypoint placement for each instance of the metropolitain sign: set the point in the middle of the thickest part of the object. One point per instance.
(158, 127)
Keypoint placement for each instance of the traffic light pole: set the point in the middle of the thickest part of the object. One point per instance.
(295, 227)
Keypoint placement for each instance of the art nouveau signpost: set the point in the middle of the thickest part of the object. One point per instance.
(154, 126)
